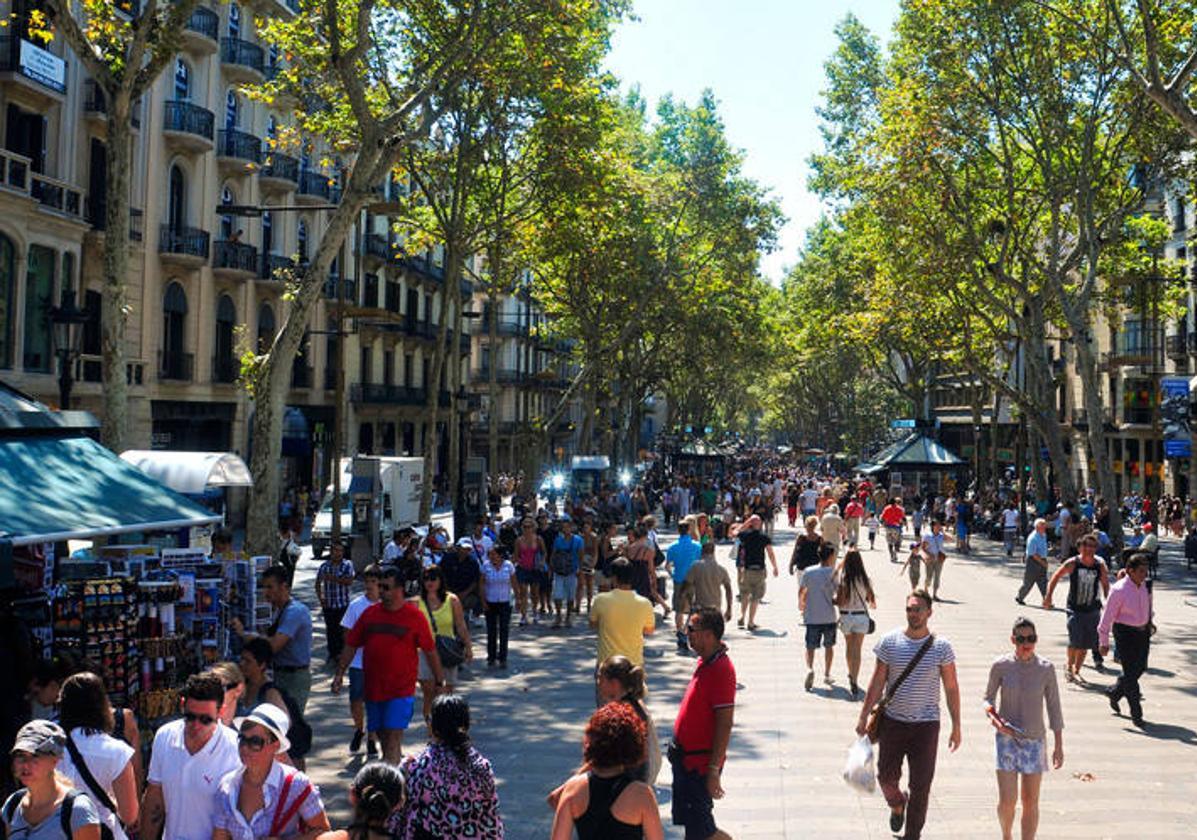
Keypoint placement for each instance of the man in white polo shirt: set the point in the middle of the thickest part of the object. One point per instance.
(189, 759)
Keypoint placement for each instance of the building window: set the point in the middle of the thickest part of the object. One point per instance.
(176, 207)
(39, 297)
(301, 241)
(409, 369)
(265, 327)
(174, 325)
(227, 225)
(388, 367)
(267, 232)
(367, 364)
(92, 303)
(234, 20)
(8, 290)
(226, 319)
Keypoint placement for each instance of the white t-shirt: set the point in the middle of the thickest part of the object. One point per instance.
(106, 758)
(810, 497)
(391, 552)
(190, 783)
(1010, 518)
(356, 607)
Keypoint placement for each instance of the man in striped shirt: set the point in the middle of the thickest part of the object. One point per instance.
(910, 723)
(333, 580)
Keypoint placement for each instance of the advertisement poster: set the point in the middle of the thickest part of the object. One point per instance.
(1174, 415)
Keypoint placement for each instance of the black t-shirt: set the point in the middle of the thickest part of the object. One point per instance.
(752, 545)
(460, 570)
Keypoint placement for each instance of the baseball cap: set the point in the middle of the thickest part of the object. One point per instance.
(269, 717)
(40, 737)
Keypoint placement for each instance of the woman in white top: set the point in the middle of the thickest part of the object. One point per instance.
(86, 716)
(854, 596)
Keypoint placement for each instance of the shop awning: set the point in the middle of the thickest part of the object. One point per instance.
(72, 488)
(191, 472)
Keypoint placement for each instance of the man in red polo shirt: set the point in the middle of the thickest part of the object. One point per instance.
(703, 729)
(390, 632)
(894, 519)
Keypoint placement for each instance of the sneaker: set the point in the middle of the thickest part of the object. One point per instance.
(897, 819)
(1069, 677)
(853, 688)
(355, 743)
(827, 680)
(810, 680)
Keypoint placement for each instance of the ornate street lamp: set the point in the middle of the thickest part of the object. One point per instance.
(66, 322)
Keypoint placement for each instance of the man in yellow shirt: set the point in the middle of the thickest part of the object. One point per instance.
(622, 617)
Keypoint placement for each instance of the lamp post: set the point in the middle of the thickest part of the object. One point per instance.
(66, 321)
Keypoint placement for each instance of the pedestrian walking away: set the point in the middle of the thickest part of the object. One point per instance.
(702, 730)
(854, 596)
(703, 584)
(1027, 684)
(1088, 581)
(911, 665)
(1036, 554)
(1128, 614)
(816, 600)
(622, 618)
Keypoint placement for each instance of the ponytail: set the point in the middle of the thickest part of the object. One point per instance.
(627, 674)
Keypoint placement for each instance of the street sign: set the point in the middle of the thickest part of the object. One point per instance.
(903, 424)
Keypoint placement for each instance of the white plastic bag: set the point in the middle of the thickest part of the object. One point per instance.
(858, 770)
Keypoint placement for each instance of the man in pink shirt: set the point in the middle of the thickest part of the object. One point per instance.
(1128, 613)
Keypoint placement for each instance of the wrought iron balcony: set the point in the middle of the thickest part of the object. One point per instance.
(378, 394)
(268, 264)
(189, 125)
(347, 283)
(377, 246)
(240, 146)
(234, 257)
(282, 168)
(237, 54)
(313, 184)
(203, 22)
(178, 367)
(95, 104)
(183, 242)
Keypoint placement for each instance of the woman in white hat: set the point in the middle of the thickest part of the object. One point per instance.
(46, 808)
(265, 798)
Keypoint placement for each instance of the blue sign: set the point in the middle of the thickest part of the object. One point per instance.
(1174, 415)
(903, 424)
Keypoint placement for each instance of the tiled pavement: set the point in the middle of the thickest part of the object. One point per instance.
(788, 746)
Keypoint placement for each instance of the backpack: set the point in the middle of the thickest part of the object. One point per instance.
(300, 732)
(562, 562)
(64, 815)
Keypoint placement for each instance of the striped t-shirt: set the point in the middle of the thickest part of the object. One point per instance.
(917, 699)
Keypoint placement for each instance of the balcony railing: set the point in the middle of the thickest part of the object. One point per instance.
(185, 241)
(349, 285)
(241, 145)
(313, 183)
(94, 102)
(236, 256)
(225, 369)
(504, 376)
(98, 219)
(178, 367)
(282, 167)
(423, 264)
(268, 264)
(204, 22)
(189, 119)
(241, 53)
(56, 195)
(376, 245)
(379, 394)
(14, 171)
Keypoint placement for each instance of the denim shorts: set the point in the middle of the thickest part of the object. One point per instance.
(389, 714)
(526, 576)
(820, 635)
(357, 685)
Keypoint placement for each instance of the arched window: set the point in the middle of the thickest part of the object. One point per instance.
(231, 109)
(182, 81)
(176, 207)
(8, 294)
(301, 241)
(175, 365)
(227, 225)
(267, 232)
(39, 297)
(265, 327)
(234, 20)
(223, 364)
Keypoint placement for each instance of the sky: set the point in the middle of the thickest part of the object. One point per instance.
(764, 61)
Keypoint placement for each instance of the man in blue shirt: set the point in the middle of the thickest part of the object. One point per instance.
(680, 557)
(565, 558)
(1035, 573)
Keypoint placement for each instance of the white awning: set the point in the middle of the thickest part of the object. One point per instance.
(191, 473)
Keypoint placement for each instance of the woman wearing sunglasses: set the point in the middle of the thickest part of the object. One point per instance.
(1027, 683)
(263, 798)
(444, 613)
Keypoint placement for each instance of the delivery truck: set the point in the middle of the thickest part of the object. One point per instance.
(378, 494)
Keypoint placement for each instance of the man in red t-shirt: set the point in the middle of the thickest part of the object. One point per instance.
(703, 729)
(389, 633)
(894, 519)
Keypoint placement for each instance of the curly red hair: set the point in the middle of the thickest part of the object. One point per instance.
(615, 737)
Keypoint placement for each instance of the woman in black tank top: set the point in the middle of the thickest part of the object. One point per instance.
(603, 801)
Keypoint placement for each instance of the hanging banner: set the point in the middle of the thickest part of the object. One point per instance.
(1174, 415)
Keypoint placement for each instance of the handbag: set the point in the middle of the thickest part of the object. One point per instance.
(872, 626)
(101, 795)
(873, 723)
(450, 649)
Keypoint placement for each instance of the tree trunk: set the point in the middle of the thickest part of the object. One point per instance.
(453, 359)
(1086, 368)
(492, 383)
(113, 316)
(453, 261)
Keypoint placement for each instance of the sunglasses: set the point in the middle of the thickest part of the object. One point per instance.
(255, 743)
(918, 609)
(1026, 640)
(192, 717)
(386, 587)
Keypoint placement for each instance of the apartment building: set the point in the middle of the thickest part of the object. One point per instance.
(203, 281)
(533, 371)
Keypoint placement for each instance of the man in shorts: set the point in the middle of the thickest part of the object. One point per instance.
(565, 560)
(389, 634)
(357, 680)
(702, 730)
(1086, 573)
(680, 557)
(816, 599)
(754, 545)
(703, 584)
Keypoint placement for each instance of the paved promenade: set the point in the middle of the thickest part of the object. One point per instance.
(788, 746)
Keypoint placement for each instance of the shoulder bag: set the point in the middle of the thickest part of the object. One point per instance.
(450, 649)
(873, 724)
(101, 795)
